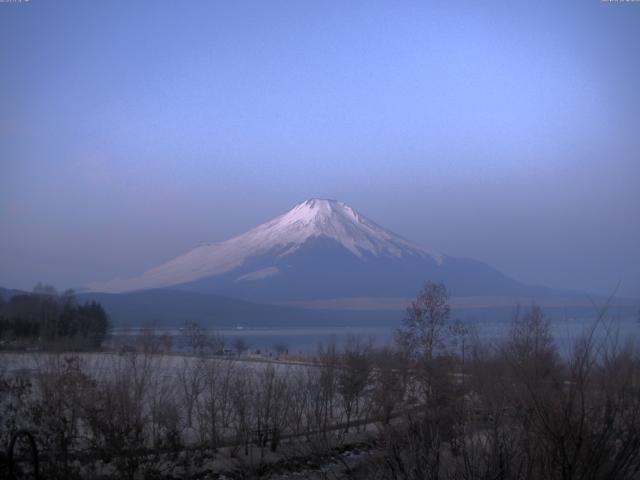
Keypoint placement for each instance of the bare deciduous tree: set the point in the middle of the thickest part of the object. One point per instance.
(423, 328)
(196, 337)
(240, 345)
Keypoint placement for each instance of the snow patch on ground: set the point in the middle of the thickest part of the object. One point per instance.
(259, 274)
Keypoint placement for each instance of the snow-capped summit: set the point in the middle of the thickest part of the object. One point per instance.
(313, 219)
(334, 220)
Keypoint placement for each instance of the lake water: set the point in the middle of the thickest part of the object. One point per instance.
(306, 340)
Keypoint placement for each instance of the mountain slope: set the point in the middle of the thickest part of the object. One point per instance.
(318, 249)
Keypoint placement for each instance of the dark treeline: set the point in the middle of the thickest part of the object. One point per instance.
(438, 404)
(47, 318)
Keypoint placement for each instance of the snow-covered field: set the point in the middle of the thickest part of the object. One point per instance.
(99, 363)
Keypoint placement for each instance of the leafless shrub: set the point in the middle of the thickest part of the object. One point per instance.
(241, 396)
(56, 412)
(190, 375)
(214, 406)
(389, 383)
(117, 417)
(354, 377)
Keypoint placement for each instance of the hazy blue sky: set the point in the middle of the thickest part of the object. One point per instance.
(506, 131)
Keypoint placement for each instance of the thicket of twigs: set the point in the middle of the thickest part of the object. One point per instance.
(438, 404)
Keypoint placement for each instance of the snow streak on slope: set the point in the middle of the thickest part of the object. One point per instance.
(281, 236)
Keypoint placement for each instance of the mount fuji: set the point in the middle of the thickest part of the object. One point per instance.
(320, 249)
